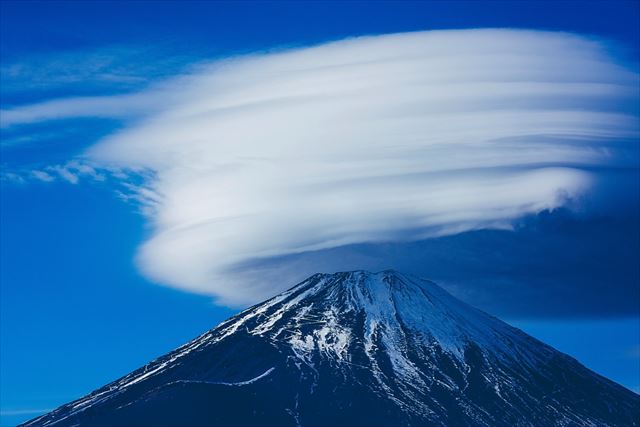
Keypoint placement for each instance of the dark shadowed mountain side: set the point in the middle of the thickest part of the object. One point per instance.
(358, 349)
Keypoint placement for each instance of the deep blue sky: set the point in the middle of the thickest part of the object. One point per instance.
(76, 314)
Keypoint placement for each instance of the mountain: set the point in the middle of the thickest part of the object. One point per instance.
(358, 349)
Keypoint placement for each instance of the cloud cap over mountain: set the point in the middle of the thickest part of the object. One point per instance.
(373, 139)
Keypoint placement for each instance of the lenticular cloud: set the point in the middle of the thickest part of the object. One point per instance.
(370, 139)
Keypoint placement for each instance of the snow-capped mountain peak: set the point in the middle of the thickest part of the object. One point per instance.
(358, 348)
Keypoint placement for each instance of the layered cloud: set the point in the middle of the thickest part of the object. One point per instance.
(374, 139)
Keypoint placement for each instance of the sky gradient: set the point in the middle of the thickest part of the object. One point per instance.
(91, 201)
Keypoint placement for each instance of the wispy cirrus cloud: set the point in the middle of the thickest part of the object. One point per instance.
(113, 107)
(109, 82)
(71, 172)
(109, 68)
(373, 139)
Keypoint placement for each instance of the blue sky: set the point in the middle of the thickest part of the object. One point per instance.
(81, 306)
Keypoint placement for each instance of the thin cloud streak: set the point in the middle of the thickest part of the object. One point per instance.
(116, 107)
(373, 139)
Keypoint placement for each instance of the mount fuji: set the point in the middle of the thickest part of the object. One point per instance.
(358, 349)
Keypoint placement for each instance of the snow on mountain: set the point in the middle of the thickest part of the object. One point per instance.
(358, 349)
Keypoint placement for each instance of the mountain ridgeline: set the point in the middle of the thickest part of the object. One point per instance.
(358, 349)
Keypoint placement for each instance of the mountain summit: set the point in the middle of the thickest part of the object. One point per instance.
(358, 349)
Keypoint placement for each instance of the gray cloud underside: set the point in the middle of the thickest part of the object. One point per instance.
(374, 139)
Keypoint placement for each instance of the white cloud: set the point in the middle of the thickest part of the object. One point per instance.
(369, 139)
(71, 171)
(11, 177)
(117, 106)
(105, 68)
(41, 175)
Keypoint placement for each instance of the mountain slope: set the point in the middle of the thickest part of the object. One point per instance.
(358, 349)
